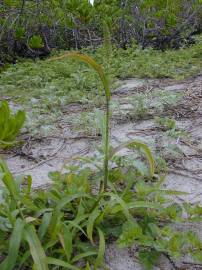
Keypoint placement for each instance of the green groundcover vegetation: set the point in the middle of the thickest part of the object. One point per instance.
(67, 79)
(94, 201)
(107, 197)
(56, 84)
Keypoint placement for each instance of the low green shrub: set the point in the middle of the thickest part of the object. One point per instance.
(10, 124)
(170, 127)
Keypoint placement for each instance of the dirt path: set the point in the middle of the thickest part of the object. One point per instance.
(182, 150)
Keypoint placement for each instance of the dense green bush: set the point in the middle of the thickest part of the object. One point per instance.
(165, 24)
(30, 28)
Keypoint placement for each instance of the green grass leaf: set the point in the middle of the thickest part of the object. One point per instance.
(36, 249)
(8, 180)
(101, 250)
(121, 202)
(57, 262)
(142, 146)
(44, 225)
(14, 245)
(137, 204)
(70, 198)
(90, 224)
(66, 239)
(83, 255)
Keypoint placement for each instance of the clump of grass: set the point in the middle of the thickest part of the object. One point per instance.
(142, 105)
(88, 123)
(169, 125)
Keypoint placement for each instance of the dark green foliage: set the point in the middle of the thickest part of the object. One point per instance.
(164, 24)
(31, 29)
(148, 258)
(36, 42)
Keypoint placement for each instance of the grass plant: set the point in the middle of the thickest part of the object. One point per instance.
(67, 226)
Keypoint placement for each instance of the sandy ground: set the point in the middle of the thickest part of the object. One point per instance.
(39, 156)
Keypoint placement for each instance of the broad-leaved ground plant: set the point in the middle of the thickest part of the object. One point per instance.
(10, 124)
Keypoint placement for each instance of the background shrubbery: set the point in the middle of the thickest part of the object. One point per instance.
(33, 28)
